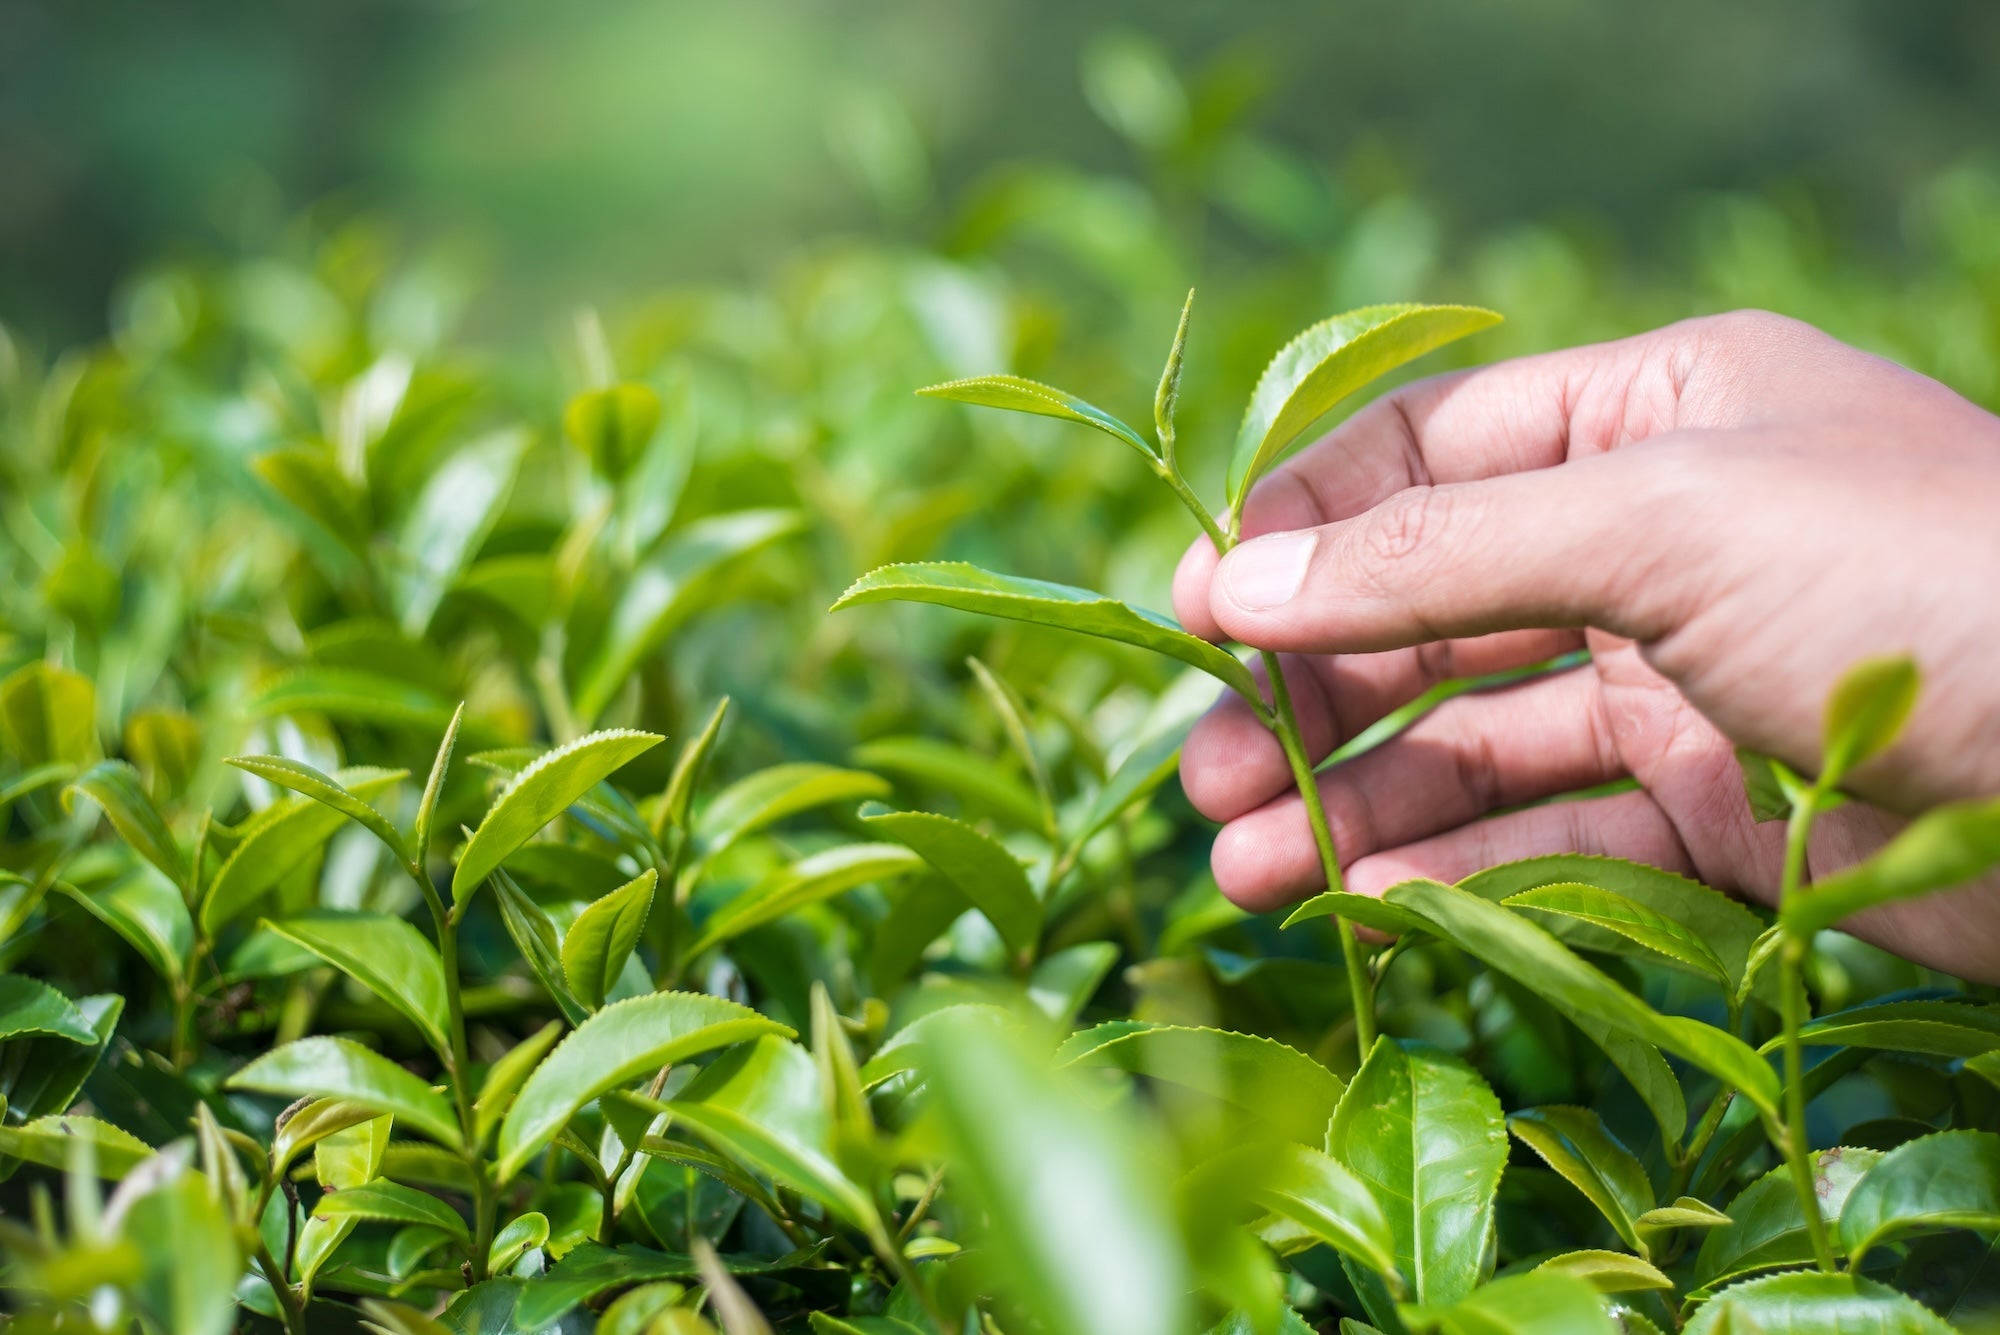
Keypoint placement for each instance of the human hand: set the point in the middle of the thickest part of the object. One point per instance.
(1727, 513)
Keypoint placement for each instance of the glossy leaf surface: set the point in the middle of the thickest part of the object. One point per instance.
(540, 793)
(338, 1068)
(601, 939)
(1016, 394)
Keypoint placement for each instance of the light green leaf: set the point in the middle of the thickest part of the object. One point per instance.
(350, 694)
(689, 769)
(147, 910)
(1767, 1228)
(761, 1106)
(1868, 707)
(1366, 910)
(809, 880)
(1942, 848)
(391, 1203)
(386, 955)
(1608, 1272)
(1015, 394)
(1076, 1220)
(504, 1078)
(970, 589)
(433, 787)
(537, 795)
(28, 1006)
(116, 788)
(277, 841)
(1326, 363)
(602, 937)
(1012, 711)
(1940, 1028)
(1167, 397)
(1426, 1134)
(1629, 919)
(1151, 764)
(770, 795)
(325, 1067)
(1262, 1077)
(1773, 789)
(982, 869)
(1947, 1180)
(1809, 1303)
(193, 1262)
(662, 593)
(613, 425)
(1507, 942)
(1576, 1143)
(1313, 1190)
(618, 1044)
(309, 782)
(967, 775)
(1063, 981)
(49, 1141)
(903, 1050)
(1685, 1212)
(534, 935)
(1529, 1304)
(1986, 1064)
(48, 716)
(451, 517)
(521, 1233)
(312, 1124)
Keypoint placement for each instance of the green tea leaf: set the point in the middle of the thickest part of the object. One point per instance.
(522, 1233)
(1608, 1272)
(48, 716)
(1941, 1028)
(386, 955)
(689, 769)
(1326, 363)
(323, 1067)
(433, 787)
(387, 1202)
(807, 881)
(451, 517)
(1576, 1143)
(1774, 791)
(1685, 1212)
(970, 589)
(1366, 910)
(1425, 1132)
(602, 937)
(1629, 919)
(52, 1067)
(1809, 1303)
(278, 841)
(536, 796)
(31, 1007)
(615, 1046)
(1868, 707)
(312, 1124)
(1063, 981)
(504, 1078)
(903, 1051)
(1314, 1191)
(147, 910)
(770, 795)
(1015, 394)
(309, 782)
(1944, 847)
(989, 877)
(1516, 947)
(1167, 398)
(1271, 1082)
(967, 775)
(51, 1141)
(1766, 1227)
(188, 1281)
(1947, 1180)
(116, 788)
(662, 593)
(1528, 1305)
(350, 694)
(534, 934)
(1012, 712)
(613, 425)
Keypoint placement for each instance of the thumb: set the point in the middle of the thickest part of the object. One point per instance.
(1612, 541)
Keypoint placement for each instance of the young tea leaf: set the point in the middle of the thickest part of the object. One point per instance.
(434, 786)
(386, 955)
(807, 881)
(1262, 1077)
(324, 788)
(389, 1202)
(1629, 919)
(1766, 1227)
(337, 1068)
(613, 425)
(1576, 1143)
(277, 841)
(989, 877)
(1809, 1303)
(602, 937)
(1608, 1272)
(1016, 394)
(1944, 847)
(689, 768)
(768, 796)
(1868, 707)
(117, 789)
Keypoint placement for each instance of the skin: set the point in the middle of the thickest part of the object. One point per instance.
(1727, 513)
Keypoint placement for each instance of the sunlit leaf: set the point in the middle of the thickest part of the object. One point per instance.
(1016, 394)
(449, 519)
(323, 1067)
(278, 840)
(116, 788)
(1608, 1272)
(613, 425)
(1629, 919)
(1864, 713)
(1942, 848)
(809, 880)
(770, 795)
(1263, 1077)
(48, 1141)
(601, 939)
(1808, 1303)
(386, 955)
(982, 869)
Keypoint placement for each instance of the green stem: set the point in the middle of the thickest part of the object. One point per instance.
(1170, 474)
(1791, 994)
(291, 1310)
(1704, 1132)
(485, 1199)
(1286, 725)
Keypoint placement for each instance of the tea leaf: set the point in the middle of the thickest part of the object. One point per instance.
(602, 937)
(1167, 398)
(1946, 846)
(31, 1007)
(689, 768)
(1523, 951)
(1063, 981)
(277, 841)
(534, 935)
(770, 795)
(337, 1068)
(1366, 910)
(970, 589)
(1867, 709)
(309, 782)
(188, 1282)
(1016, 394)
(433, 786)
(48, 716)
(903, 1051)
(1607, 1272)
(1947, 1180)
(615, 1046)
(1261, 1076)
(1766, 1227)
(967, 775)
(504, 1078)
(1527, 1305)
(53, 1067)
(116, 788)
(662, 593)
(1328, 362)
(1013, 714)
(613, 425)
(989, 877)
(1315, 1191)
(807, 881)
(510, 1243)
(386, 955)
(1809, 1303)
(1941, 1028)
(310, 1125)
(1576, 1143)
(1685, 1212)
(350, 694)
(451, 517)
(536, 796)
(51, 1141)
(1630, 919)
(387, 1202)
(1425, 1132)
(148, 911)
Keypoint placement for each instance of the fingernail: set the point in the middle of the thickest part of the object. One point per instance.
(1266, 572)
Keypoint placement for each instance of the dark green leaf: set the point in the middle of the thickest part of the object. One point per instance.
(147, 910)
(1947, 1180)
(534, 935)
(1576, 1143)
(1766, 1227)
(1808, 1303)
(970, 589)
(1015, 394)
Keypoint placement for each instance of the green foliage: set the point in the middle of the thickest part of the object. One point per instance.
(267, 569)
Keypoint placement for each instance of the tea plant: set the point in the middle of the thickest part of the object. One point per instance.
(883, 1027)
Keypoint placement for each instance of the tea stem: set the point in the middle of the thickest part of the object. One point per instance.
(1286, 725)
(1791, 992)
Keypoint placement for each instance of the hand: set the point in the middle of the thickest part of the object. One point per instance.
(1727, 513)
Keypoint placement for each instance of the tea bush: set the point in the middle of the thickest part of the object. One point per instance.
(458, 877)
